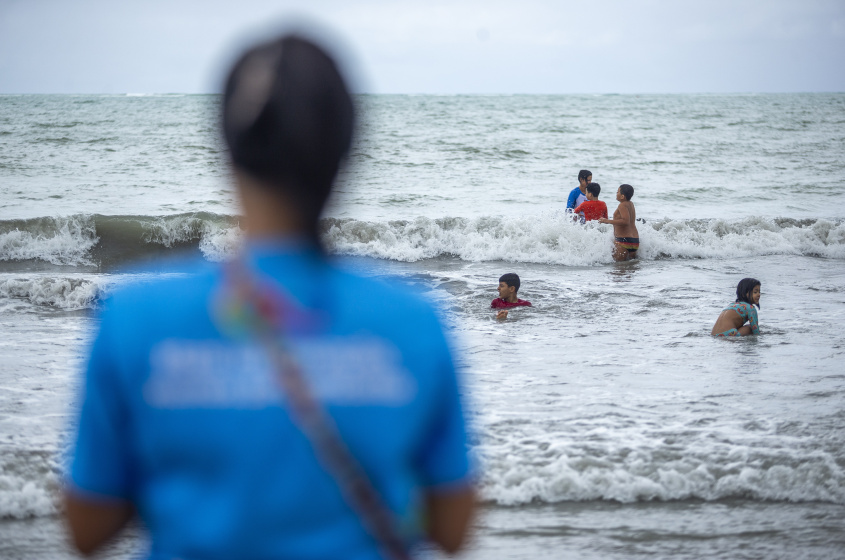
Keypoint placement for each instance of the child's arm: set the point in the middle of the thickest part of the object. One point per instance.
(624, 218)
(573, 197)
(752, 321)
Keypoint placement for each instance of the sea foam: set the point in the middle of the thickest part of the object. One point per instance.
(96, 240)
(550, 238)
(626, 468)
(554, 239)
(57, 240)
(29, 484)
(61, 293)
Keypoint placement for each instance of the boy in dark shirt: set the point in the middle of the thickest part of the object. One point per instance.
(508, 288)
(593, 208)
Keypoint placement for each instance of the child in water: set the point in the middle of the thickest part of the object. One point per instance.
(731, 321)
(626, 240)
(592, 208)
(508, 288)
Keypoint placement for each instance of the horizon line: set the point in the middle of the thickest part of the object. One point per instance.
(174, 93)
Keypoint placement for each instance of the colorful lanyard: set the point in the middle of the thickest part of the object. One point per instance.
(260, 310)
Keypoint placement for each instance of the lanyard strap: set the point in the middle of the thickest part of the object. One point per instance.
(261, 312)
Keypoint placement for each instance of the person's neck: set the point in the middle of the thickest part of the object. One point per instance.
(267, 212)
(512, 298)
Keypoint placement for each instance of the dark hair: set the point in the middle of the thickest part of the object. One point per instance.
(511, 279)
(583, 174)
(744, 289)
(594, 189)
(288, 120)
(627, 191)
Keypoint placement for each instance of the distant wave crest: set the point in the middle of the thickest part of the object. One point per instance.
(104, 241)
(86, 240)
(555, 239)
(65, 241)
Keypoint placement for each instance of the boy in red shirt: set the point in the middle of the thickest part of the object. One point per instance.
(593, 208)
(508, 287)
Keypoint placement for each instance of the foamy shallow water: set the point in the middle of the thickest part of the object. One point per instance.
(600, 415)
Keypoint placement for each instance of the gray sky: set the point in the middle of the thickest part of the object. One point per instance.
(434, 46)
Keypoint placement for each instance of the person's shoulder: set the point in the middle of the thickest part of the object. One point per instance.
(743, 307)
(387, 310)
(378, 297)
(523, 302)
(149, 307)
(167, 289)
(497, 303)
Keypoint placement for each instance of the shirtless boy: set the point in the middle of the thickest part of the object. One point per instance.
(626, 239)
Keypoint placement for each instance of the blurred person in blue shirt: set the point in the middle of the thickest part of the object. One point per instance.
(275, 406)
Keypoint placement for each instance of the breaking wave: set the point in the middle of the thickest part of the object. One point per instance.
(106, 241)
(85, 240)
(61, 293)
(556, 240)
(632, 465)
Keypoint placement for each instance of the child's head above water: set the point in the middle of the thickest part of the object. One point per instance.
(748, 291)
(508, 285)
(585, 176)
(593, 190)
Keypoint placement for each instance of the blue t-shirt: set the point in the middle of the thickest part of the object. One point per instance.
(186, 419)
(576, 197)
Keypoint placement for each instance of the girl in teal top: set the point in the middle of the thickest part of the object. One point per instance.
(732, 321)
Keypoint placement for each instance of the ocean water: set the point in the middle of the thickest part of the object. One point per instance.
(607, 423)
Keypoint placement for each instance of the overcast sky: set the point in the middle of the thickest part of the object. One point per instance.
(433, 46)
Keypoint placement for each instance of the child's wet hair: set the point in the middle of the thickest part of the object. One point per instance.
(627, 191)
(744, 289)
(511, 279)
(594, 189)
(584, 174)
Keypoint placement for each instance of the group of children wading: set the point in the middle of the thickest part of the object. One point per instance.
(737, 319)
(584, 203)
